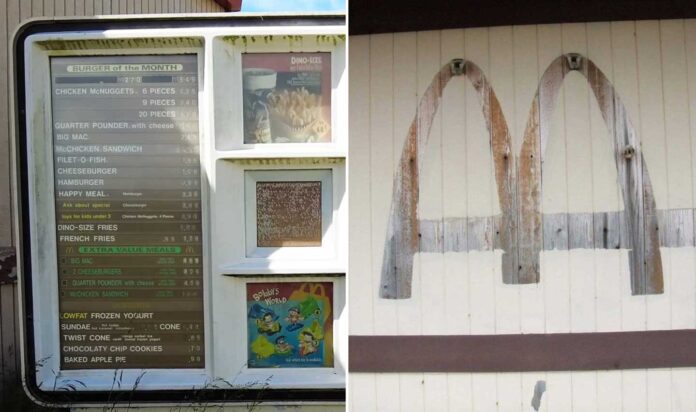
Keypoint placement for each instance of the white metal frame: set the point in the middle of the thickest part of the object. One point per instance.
(235, 252)
(42, 219)
(235, 333)
(328, 241)
(229, 122)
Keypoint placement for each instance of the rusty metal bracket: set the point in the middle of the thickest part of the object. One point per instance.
(458, 66)
(629, 151)
(574, 61)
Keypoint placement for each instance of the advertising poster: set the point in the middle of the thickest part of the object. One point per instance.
(287, 97)
(290, 324)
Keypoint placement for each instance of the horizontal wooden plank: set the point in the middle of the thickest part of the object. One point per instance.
(555, 231)
(580, 231)
(523, 353)
(676, 227)
(460, 234)
(562, 231)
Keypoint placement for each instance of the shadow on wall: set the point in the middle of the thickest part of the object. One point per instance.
(13, 398)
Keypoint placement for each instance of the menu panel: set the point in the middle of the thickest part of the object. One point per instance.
(128, 211)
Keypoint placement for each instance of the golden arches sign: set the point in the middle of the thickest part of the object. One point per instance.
(520, 229)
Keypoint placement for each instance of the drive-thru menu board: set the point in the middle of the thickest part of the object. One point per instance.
(128, 211)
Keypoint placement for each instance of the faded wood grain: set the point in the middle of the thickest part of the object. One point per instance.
(403, 233)
(562, 231)
(503, 169)
(479, 232)
(649, 278)
(529, 192)
(534, 137)
(555, 226)
(645, 260)
(503, 73)
(405, 103)
(676, 227)
(633, 176)
(519, 233)
(402, 228)
(607, 230)
(580, 231)
(639, 201)
(455, 234)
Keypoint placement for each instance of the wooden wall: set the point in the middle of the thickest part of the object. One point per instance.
(12, 13)
(652, 65)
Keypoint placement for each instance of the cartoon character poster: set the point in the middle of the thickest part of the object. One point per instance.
(290, 324)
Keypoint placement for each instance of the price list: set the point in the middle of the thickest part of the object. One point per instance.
(128, 211)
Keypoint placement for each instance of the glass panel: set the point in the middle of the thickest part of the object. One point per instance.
(290, 324)
(288, 214)
(287, 97)
(128, 209)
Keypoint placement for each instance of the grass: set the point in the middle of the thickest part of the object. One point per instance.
(119, 399)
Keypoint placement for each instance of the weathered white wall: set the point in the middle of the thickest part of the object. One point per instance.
(653, 67)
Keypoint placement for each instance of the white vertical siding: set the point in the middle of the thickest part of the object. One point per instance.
(652, 64)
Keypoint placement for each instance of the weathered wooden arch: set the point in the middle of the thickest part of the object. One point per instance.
(518, 179)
